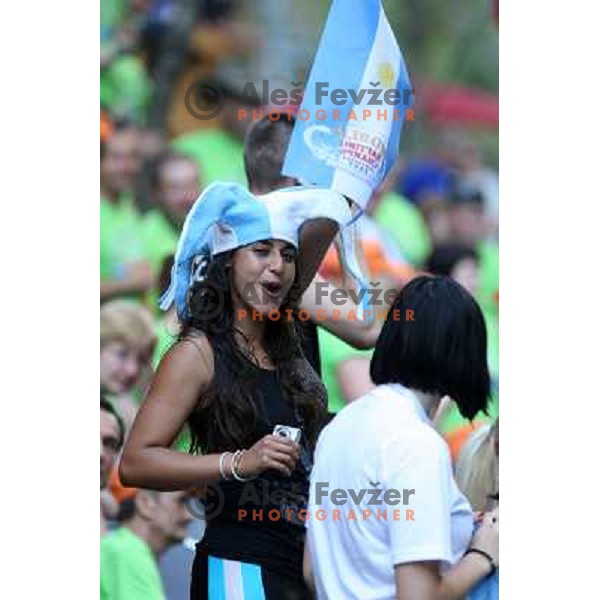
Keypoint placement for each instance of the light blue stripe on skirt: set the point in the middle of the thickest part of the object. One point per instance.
(233, 580)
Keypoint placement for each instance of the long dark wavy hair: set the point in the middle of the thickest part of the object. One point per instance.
(225, 416)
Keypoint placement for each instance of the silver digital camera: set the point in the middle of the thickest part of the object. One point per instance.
(290, 433)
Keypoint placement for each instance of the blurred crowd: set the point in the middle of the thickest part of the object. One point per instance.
(436, 212)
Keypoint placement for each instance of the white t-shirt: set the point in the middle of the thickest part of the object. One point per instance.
(382, 441)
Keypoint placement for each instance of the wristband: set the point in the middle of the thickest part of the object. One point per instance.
(485, 555)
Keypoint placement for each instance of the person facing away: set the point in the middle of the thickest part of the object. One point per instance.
(405, 531)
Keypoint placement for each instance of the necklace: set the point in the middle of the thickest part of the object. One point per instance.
(249, 351)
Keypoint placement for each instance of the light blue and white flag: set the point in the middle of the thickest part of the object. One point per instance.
(347, 132)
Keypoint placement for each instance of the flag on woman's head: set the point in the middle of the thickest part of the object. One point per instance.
(347, 132)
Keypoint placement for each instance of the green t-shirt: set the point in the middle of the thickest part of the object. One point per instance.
(489, 265)
(128, 569)
(161, 238)
(125, 88)
(405, 225)
(166, 337)
(219, 155)
(334, 351)
(112, 14)
(121, 237)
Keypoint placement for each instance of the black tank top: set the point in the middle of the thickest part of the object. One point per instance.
(275, 542)
(309, 341)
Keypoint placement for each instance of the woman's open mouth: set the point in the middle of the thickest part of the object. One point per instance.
(272, 290)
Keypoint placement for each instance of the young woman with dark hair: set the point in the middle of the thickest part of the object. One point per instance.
(418, 543)
(233, 376)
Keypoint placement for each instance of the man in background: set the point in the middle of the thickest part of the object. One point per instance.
(124, 271)
(175, 188)
(129, 555)
(265, 148)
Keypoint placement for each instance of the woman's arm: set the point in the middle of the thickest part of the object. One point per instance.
(338, 319)
(423, 580)
(354, 378)
(148, 460)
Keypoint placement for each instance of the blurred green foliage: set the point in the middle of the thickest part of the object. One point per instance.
(448, 41)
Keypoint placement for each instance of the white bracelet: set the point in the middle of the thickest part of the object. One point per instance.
(234, 466)
(221, 465)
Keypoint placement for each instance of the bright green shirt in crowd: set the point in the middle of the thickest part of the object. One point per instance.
(489, 266)
(161, 238)
(121, 237)
(161, 241)
(166, 337)
(112, 13)
(218, 154)
(333, 352)
(405, 225)
(125, 88)
(128, 569)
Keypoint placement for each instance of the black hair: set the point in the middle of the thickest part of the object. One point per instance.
(464, 193)
(109, 408)
(264, 152)
(126, 510)
(226, 414)
(445, 257)
(442, 351)
(213, 11)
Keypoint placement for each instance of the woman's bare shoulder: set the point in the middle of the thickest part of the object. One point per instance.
(192, 353)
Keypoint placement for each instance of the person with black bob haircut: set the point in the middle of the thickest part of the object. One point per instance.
(443, 351)
(419, 541)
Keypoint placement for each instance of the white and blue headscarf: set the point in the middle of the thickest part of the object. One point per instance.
(226, 216)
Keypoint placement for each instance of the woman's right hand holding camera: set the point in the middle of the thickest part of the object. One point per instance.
(270, 452)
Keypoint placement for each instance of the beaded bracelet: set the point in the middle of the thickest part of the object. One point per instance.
(484, 554)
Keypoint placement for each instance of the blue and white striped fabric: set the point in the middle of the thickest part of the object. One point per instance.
(232, 580)
(227, 216)
(336, 143)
